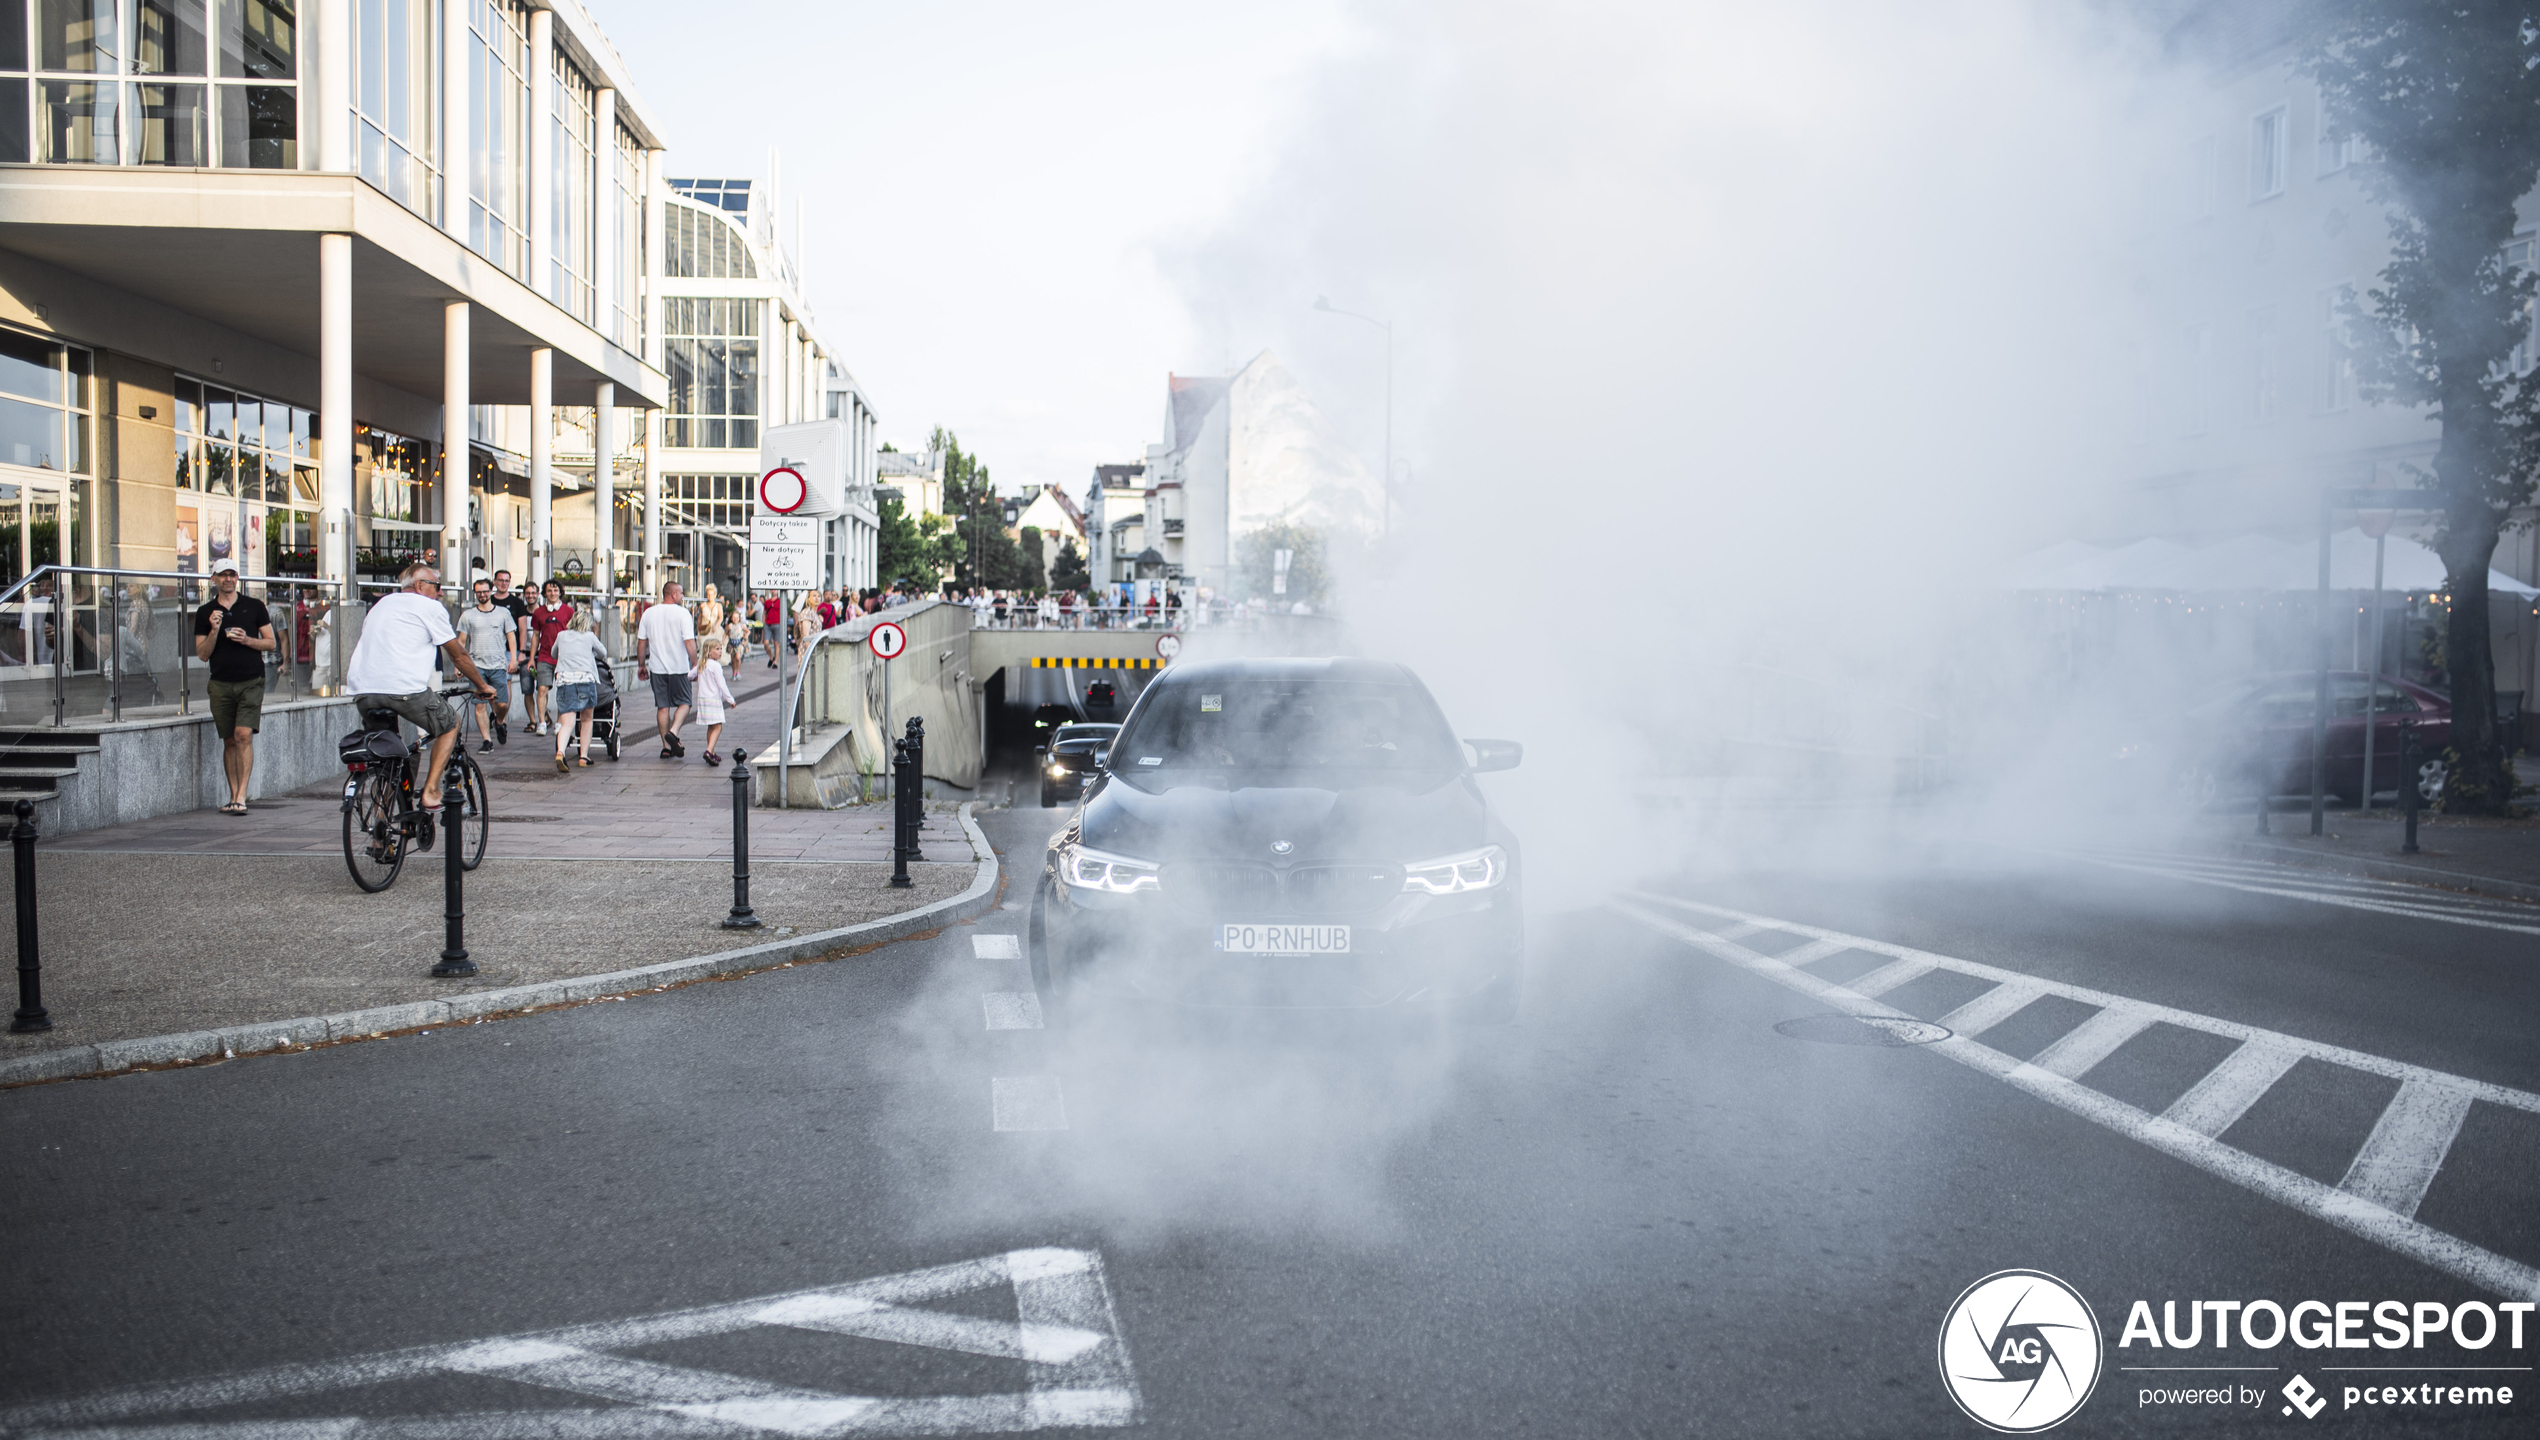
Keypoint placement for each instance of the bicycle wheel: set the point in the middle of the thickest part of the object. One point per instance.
(374, 843)
(476, 820)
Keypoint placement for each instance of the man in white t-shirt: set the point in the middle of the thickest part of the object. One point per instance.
(392, 666)
(666, 654)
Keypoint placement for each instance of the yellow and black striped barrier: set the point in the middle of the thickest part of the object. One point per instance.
(1061, 662)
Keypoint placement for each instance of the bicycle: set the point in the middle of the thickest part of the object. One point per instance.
(382, 820)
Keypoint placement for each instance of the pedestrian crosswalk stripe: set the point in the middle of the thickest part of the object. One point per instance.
(2389, 897)
(2378, 1197)
(1012, 1009)
(987, 946)
(1026, 1102)
(1066, 1332)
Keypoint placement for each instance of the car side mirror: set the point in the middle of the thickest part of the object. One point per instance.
(1102, 757)
(1488, 755)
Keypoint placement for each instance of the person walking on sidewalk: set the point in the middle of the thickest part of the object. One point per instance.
(771, 635)
(547, 621)
(392, 666)
(714, 695)
(577, 656)
(233, 633)
(493, 639)
(524, 644)
(667, 656)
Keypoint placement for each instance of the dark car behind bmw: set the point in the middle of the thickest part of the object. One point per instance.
(1302, 833)
(1067, 761)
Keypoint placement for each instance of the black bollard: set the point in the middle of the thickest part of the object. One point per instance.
(30, 1016)
(2408, 781)
(916, 785)
(902, 824)
(741, 917)
(2262, 801)
(454, 961)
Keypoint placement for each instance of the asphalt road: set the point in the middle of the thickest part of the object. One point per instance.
(1642, 1211)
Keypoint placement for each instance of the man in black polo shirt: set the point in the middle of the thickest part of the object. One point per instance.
(233, 634)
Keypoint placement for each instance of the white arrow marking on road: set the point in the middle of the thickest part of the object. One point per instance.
(1066, 1333)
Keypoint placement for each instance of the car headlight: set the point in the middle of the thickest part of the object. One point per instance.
(1057, 771)
(1090, 869)
(1455, 874)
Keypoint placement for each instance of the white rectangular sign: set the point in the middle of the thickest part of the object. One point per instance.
(784, 552)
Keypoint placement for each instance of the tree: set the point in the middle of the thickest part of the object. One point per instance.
(1256, 565)
(2447, 97)
(899, 549)
(982, 554)
(1034, 572)
(1068, 571)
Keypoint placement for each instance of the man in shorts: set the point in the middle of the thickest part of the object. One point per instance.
(392, 666)
(524, 645)
(666, 654)
(233, 633)
(492, 636)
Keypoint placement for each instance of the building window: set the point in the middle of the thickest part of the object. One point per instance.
(44, 403)
(710, 353)
(2267, 154)
(2265, 367)
(708, 502)
(699, 246)
(2338, 147)
(626, 280)
(2200, 379)
(229, 443)
(569, 278)
(498, 133)
(2518, 259)
(2337, 358)
(133, 82)
(395, 97)
(732, 196)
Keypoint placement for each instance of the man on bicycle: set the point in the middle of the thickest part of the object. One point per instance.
(392, 666)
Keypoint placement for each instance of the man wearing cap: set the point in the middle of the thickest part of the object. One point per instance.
(233, 634)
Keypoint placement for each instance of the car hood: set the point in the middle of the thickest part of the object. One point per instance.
(1400, 818)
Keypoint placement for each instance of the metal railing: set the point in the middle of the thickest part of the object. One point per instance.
(89, 644)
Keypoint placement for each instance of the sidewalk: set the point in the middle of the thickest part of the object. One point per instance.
(199, 933)
(2492, 857)
(639, 807)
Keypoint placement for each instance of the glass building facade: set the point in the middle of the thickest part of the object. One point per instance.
(150, 82)
(498, 132)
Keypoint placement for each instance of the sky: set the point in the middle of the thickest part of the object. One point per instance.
(994, 194)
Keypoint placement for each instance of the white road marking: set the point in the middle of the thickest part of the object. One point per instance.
(2406, 1147)
(2216, 1103)
(1993, 1007)
(2347, 1209)
(1026, 1102)
(1887, 977)
(996, 947)
(2092, 1041)
(1068, 1334)
(2424, 905)
(1012, 1009)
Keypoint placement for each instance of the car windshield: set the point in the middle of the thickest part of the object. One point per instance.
(1084, 732)
(1287, 725)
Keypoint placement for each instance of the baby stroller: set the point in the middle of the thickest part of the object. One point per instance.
(604, 712)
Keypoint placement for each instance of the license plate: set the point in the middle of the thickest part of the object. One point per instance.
(350, 786)
(1283, 939)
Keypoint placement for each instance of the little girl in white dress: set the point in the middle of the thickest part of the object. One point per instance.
(714, 692)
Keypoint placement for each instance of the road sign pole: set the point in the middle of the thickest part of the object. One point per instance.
(886, 725)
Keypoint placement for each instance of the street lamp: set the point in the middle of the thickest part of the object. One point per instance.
(1324, 304)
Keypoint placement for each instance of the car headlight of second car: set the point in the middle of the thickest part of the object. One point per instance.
(1089, 869)
(1456, 874)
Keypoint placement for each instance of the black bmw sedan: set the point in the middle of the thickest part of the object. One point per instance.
(1297, 833)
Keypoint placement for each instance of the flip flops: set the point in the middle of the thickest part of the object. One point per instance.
(234, 808)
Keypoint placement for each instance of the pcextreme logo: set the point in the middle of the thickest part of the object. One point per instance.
(2019, 1351)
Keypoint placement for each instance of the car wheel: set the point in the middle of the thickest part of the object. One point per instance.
(2430, 777)
(1048, 800)
(1037, 953)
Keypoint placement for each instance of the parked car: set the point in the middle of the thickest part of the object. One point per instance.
(2262, 732)
(1286, 833)
(1068, 759)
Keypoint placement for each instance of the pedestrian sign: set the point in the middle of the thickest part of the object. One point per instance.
(887, 640)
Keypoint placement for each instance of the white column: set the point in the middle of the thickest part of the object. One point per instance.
(652, 503)
(454, 445)
(604, 487)
(542, 150)
(604, 213)
(542, 475)
(456, 156)
(331, 96)
(335, 407)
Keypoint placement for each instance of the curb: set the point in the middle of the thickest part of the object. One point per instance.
(2384, 870)
(112, 1056)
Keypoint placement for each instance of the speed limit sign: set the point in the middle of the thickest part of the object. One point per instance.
(887, 641)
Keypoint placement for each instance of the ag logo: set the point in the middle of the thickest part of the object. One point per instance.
(2019, 1351)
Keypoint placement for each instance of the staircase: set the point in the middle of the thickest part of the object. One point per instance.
(34, 763)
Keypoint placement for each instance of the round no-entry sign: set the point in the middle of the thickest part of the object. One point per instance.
(1168, 646)
(887, 641)
(782, 490)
